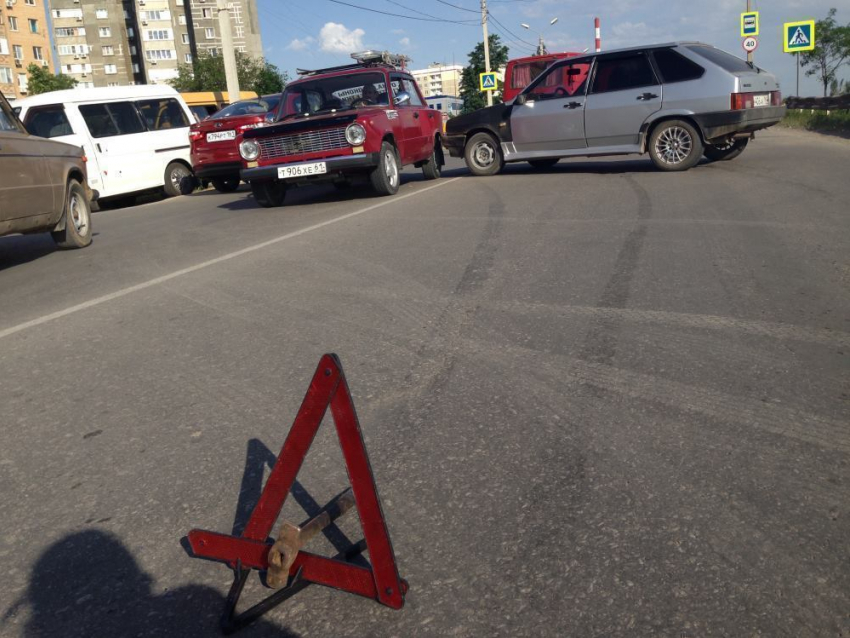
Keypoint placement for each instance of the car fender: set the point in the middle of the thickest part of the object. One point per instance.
(666, 114)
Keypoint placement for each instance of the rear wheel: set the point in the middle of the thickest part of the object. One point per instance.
(431, 168)
(175, 172)
(728, 151)
(268, 193)
(543, 163)
(675, 145)
(483, 155)
(385, 176)
(226, 184)
(77, 231)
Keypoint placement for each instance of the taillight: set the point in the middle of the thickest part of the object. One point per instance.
(247, 127)
(195, 135)
(741, 101)
(776, 98)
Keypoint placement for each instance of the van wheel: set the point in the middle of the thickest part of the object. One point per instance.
(77, 232)
(268, 193)
(385, 176)
(543, 164)
(174, 174)
(483, 155)
(675, 145)
(431, 167)
(726, 152)
(226, 185)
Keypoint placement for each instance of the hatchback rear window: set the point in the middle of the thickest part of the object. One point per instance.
(48, 121)
(114, 118)
(722, 59)
(675, 67)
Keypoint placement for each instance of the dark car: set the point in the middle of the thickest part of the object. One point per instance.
(676, 102)
(43, 185)
(363, 120)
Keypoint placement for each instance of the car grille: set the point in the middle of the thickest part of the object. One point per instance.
(298, 143)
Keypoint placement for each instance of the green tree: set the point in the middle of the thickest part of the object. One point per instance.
(206, 73)
(473, 98)
(832, 50)
(41, 80)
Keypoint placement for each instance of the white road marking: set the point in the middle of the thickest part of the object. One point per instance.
(32, 323)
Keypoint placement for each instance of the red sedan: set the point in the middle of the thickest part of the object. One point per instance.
(215, 151)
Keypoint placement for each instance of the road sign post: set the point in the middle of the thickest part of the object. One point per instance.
(487, 81)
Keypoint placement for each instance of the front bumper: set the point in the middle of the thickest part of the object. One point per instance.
(455, 144)
(726, 123)
(223, 169)
(337, 168)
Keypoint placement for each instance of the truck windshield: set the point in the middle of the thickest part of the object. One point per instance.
(335, 93)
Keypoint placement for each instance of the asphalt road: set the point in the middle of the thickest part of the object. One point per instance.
(599, 400)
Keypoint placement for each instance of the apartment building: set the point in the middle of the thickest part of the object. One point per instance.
(24, 39)
(244, 25)
(166, 38)
(439, 79)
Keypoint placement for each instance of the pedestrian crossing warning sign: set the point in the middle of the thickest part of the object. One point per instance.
(799, 36)
(487, 81)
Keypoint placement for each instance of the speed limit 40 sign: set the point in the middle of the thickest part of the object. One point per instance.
(750, 44)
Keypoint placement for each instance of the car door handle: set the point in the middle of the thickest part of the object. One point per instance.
(647, 96)
(416, 114)
(572, 105)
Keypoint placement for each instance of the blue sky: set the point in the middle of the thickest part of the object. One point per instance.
(317, 33)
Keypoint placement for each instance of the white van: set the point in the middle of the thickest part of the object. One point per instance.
(135, 137)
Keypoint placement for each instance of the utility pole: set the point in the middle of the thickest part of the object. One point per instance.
(749, 53)
(228, 52)
(486, 47)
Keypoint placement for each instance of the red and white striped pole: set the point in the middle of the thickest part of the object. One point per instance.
(598, 35)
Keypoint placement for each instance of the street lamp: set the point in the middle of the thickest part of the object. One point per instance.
(541, 47)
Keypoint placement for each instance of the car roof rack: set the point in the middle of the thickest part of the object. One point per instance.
(364, 59)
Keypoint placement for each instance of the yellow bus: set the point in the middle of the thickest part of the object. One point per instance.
(205, 103)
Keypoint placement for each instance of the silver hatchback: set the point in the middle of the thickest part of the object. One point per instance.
(677, 102)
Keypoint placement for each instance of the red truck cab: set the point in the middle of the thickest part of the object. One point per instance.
(521, 72)
(360, 121)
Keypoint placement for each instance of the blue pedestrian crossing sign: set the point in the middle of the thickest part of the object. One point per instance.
(799, 36)
(488, 81)
(749, 24)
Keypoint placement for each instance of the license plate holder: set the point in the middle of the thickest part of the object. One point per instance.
(302, 170)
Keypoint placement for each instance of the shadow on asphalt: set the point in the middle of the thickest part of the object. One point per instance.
(16, 250)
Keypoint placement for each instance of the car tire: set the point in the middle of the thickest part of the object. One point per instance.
(431, 168)
(268, 193)
(386, 176)
(77, 232)
(483, 155)
(226, 184)
(543, 164)
(174, 174)
(675, 145)
(726, 152)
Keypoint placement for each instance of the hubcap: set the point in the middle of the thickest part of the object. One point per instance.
(390, 168)
(674, 145)
(78, 214)
(483, 154)
(177, 175)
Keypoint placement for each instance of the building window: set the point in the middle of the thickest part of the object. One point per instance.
(181, 20)
(22, 82)
(159, 34)
(104, 32)
(4, 46)
(107, 50)
(18, 51)
(212, 51)
(132, 49)
(37, 53)
(31, 3)
(160, 54)
(6, 76)
(187, 58)
(112, 84)
(130, 32)
(13, 23)
(135, 68)
(185, 38)
(206, 13)
(110, 69)
(210, 33)
(69, 32)
(101, 14)
(33, 23)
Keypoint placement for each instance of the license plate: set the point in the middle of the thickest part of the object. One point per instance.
(221, 136)
(761, 100)
(302, 170)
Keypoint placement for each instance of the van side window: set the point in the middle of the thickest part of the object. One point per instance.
(162, 114)
(675, 67)
(48, 121)
(114, 118)
(622, 72)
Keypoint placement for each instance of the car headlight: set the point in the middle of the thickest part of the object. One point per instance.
(249, 150)
(355, 134)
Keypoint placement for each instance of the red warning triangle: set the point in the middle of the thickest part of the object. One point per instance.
(251, 549)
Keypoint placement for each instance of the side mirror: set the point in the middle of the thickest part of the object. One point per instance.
(402, 98)
(269, 118)
(521, 99)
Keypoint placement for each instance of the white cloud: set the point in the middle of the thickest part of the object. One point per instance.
(336, 38)
(300, 45)
(405, 42)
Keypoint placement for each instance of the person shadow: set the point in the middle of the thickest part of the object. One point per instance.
(89, 584)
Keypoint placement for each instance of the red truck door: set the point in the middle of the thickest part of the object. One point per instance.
(411, 117)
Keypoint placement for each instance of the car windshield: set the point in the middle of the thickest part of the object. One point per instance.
(339, 92)
(249, 107)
